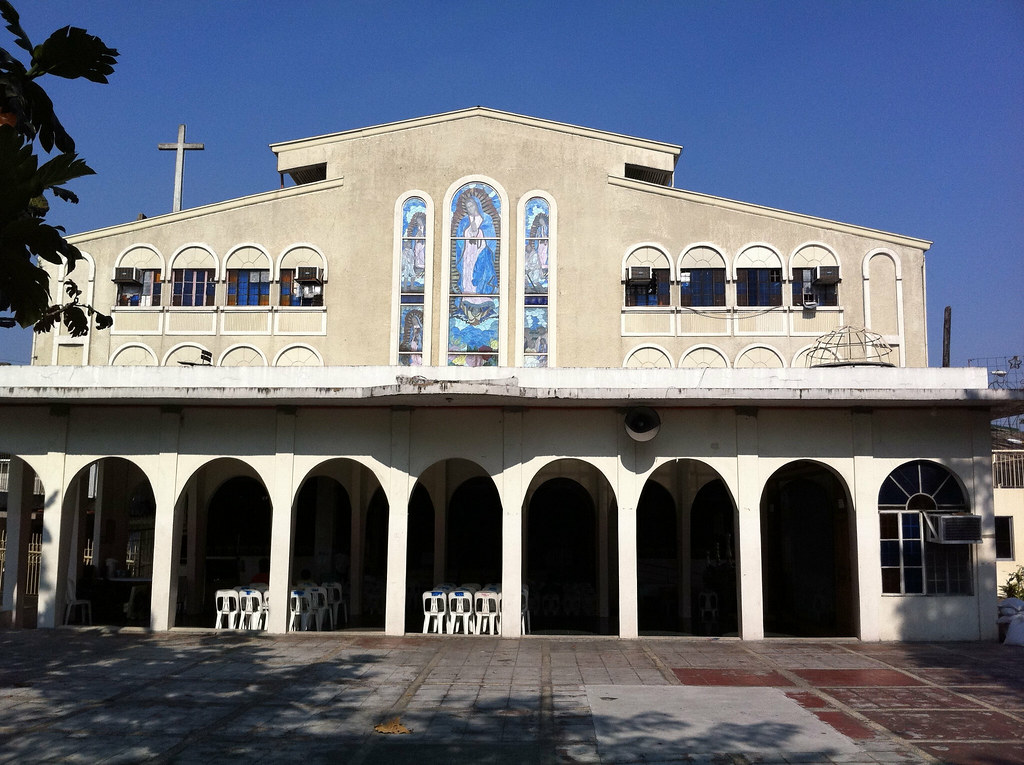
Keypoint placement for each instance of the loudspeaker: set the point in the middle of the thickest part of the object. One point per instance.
(642, 423)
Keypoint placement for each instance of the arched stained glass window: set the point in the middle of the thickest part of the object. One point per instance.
(474, 278)
(412, 279)
(537, 231)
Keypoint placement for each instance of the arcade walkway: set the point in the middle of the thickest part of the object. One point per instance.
(90, 695)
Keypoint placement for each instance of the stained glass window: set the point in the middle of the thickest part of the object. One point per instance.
(474, 277)
(412, 282)
(536, 233)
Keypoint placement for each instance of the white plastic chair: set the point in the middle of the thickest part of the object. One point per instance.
(336, 602)
(74, 604)
(460, 612)
(228, 609)
(435, 609)
(251, 608)
(301, 609)
(321, 610)
(524, 613)
(488, 612)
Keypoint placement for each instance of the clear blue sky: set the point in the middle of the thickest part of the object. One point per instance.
(901, 116)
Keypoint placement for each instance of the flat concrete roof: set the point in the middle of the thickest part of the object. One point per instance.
(860, 386)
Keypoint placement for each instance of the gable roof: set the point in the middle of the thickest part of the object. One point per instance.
(478, 112)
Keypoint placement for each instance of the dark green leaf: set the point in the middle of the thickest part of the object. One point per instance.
(66, 194)
(61, 169)
(76, 321)
(14, 25)
(103, 321)
(72, 53)
(41, 115)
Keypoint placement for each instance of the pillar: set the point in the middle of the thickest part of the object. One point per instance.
(867, 562)
(748, 528)
(57, 525)
(282, 525)
(397, 491)
(168, 523)
(510, 490)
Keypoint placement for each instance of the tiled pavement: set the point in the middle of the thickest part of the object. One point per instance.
(90, 696)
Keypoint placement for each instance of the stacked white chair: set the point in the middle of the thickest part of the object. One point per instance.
(300, 608)
(336, 602)
(81, 605)
(251, 608)
(435, 609)
(488, 612)
(321, 610)
(524, 613)
(228, 609)
(460, 612)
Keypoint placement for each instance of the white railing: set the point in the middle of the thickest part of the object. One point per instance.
(1008, 469)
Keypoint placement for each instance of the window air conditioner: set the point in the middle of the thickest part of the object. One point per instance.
(129, 275)
(826, 275)
(639, 273)
(953, 528)
(309, 274)
(810, 300)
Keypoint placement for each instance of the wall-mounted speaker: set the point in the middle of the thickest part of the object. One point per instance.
(642, 423)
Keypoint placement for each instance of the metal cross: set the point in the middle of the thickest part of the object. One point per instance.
(179, 164)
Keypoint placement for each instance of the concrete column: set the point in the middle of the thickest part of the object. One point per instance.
(398, 490)
(19, 530)
(282, 531)
(748, 531)
(168, 523)
(628, 489)
(510, 489)
(867, 561)
(981, 501)
(57, 525)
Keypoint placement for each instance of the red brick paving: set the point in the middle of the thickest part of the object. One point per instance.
(948, 725)
(845, 678)
(901, 698)
(845, 724)
(976, 753)
(807, 700)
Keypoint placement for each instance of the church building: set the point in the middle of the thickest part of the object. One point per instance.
(484, 347)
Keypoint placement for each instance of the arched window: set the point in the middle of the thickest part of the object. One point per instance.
(137, 275)
(815, 276)
(702, 278)
(648, 278)
(248, 277)
(474, 276)
(536, 258)
(914, 559)
(302, 277)
(412, 276)
(758, 277)
(193, 272)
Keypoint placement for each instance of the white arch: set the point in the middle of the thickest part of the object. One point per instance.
(209, 262)
(128, 258)
(703, 350)
(688, 257)
(181, 346)
(887, 253)
(291, 250)
(126, 348)
(866, 276)
(234, 258)
(643, 362)
(758, 255)
(298, 347)
(766, 349)
(241, 347)
(635, 248)
(831, 258)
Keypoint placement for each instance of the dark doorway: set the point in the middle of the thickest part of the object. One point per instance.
(474, 533)
(806, 554)
(657, 550)
(713, 562)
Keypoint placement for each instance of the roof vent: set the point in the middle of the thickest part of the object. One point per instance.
(649, 174)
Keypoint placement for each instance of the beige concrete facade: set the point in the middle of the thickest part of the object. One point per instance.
(763, 505)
